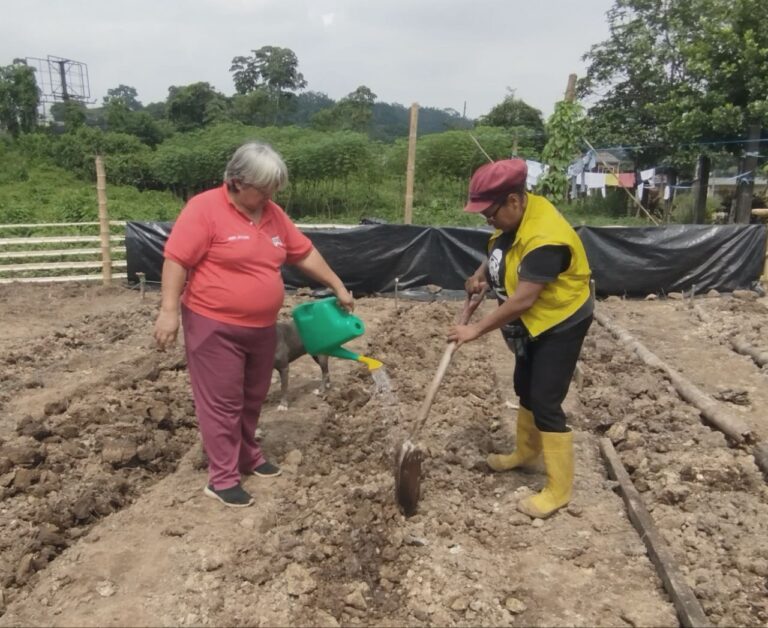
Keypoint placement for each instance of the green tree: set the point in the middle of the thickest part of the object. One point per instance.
(308, 103)
(565, 132)
(70, 113)
(513, 112)
(121, 119)
(352, 113)
(272, 68)
(254, 108)
(524, 122)
(124, 94)
(157, 110)
(193, 106)
(726, 63)
(358, 108)
(677, 72)
(19, 98)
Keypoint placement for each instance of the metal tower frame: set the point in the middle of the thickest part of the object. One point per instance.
(61, 80)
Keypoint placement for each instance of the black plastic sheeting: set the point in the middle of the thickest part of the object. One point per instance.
(631, 261)
(637, 261)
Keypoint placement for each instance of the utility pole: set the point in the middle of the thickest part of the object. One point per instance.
(410, 170)
(746, 184)
(570, 90)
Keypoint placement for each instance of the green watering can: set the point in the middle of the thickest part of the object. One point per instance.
(324, 326)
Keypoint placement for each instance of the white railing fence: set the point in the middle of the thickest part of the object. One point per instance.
(62, 251)
(66, 249)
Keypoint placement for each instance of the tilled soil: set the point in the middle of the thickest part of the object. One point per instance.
(708, 498)
(89, 422)
(107, 523)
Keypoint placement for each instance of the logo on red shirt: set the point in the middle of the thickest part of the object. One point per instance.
(277, 241)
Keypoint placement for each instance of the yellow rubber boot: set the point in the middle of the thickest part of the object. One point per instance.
(558, 458)
(528, 445)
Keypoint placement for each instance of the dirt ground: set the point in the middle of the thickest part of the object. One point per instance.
(104, 522)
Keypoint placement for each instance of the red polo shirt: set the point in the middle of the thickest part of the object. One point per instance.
(233, 263)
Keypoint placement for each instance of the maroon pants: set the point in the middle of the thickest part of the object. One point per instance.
(230, 368)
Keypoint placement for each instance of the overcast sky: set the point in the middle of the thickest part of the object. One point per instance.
(439, 53)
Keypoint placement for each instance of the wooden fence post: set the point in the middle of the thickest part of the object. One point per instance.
(410, 170)
(746, 184)
(700, 189)
(101, 192)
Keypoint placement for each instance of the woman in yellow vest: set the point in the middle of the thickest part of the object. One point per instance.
(539, 271)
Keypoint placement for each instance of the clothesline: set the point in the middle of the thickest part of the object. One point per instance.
(659, 145)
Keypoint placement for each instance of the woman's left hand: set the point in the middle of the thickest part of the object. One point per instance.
(463, 333)
(345, 299)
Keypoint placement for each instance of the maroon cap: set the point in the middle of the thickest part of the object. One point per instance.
(492, 182)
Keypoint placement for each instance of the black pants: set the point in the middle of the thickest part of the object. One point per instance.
(543, 375)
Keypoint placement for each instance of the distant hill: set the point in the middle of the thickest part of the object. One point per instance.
(391, 121)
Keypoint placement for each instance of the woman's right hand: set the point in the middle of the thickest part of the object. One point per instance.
(475, 284)
(166, 328)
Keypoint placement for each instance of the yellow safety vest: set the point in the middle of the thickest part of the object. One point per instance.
(543, 225)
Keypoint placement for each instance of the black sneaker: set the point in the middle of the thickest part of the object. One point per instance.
(267, 470)
(234, 497)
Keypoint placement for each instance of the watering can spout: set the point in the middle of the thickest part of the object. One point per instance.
(324, 327)
(346, 354)
(341, 352)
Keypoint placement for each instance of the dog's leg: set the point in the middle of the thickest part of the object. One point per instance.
(322, 361)
(283, 389)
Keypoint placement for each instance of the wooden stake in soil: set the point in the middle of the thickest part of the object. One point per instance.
(688, 609)
(731, 426)
(101, 192)
(142, 283)
(410, 170)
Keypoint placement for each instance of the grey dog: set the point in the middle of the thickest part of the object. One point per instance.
(290, 348)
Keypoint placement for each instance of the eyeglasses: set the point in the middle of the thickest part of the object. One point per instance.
(491, 212)
(261, 190)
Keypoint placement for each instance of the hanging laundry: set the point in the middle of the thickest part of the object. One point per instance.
(647, 175)
(586, 162)
(536, 170)
(611, 179)
(639, 192)
(627, 179)
(574, 168)
(595, 181)
(667, 193)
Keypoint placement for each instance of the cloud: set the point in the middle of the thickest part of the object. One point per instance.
(440, 53)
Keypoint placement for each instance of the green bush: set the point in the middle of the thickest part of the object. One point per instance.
(454, 154)
(615, 204)
(682, 208)
(333, 176)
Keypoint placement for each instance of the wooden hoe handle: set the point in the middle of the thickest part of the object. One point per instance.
(470, 305)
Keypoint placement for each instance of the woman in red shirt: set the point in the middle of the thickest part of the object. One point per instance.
(222, 273)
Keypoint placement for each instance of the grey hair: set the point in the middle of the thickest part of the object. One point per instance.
(257, 164)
